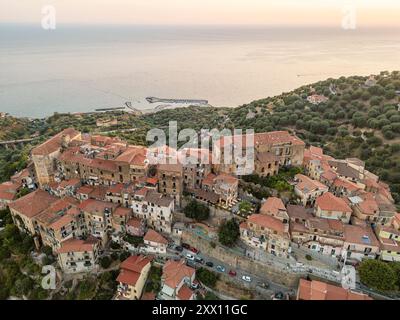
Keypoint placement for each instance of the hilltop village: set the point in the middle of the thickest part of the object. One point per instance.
(90, 194)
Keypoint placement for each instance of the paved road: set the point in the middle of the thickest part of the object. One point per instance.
(255, 280)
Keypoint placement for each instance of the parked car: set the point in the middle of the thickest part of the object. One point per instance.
(209, 264)
(220, 268)
(195, 284)
(246, 278)
(189, 257)
(264, 285)
(199, 260)
(232, 273)
(278, 296)
(186, 246)
(179, 248)
(194, 250)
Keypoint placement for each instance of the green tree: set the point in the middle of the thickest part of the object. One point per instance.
(196, 210)
(228, 233)
(207, 277)
(105, 262)
(377, 275)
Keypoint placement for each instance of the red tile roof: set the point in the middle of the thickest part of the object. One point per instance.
(267, 222)
(131, 269)
(33, 203)
(77, 245)
(154, 236)
(175, 271)
(272, 206)
(134, 222)
(96, 206)
(362, 235)
(317, 290)
(266, 138)
(54, 143)
(121, 211)
(329, 202)
(185, 293)
(307, 184)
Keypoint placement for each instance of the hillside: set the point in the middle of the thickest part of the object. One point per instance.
(360, 118)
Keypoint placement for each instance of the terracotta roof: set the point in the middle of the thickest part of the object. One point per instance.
(329, 175)
(148, 296)
(77, 245)
(85, 190)
(158, 198)
(68, 183)
(98, 192)
(33, 203)
(175, 271)
(226, 178)
(267, 222)
(317, 290)
(295, 211)
(154, 236)
(360, 235)
(116, 188)
(134, 155)
(62, 222)
(266, 138)
(343, 183)
(170, 167)
(185, 293)
(131, 269)
(272, 206)
(53, 213)
(266, 157)
(121, 211)
(210, 196)
(209, 179)
(54, 143)
(307, 184)
(134, 222)
(153, 181)
(329, 202)
(8, 190)
(96, 206)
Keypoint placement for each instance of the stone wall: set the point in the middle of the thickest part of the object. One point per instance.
(238, 260)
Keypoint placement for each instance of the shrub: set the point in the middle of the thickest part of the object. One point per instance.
(229, 233)
(105, 262)
(196, 210)
(377, 275)
(308, 257)
(208, 278)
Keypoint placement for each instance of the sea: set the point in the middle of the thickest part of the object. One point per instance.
(80, 68)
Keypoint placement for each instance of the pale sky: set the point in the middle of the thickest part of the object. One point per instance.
(275, 12)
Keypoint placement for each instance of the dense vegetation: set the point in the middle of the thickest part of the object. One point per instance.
(20, 275)
(196, 210)
(207, 277)
(228, 233)
(379, 275)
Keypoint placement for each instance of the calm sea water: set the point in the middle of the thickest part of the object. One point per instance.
(76, 68)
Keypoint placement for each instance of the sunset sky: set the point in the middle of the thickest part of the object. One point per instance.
(275, 12)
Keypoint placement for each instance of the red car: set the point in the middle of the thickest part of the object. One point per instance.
(194, 250)
(232, 273)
